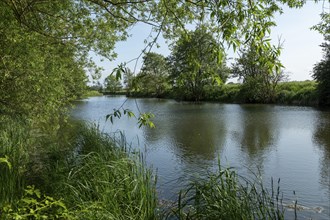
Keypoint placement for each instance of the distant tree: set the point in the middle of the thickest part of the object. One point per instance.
(96, 86)
(260, 77)
(128, 79)
(153, 77)
(112, 84)
(321, 73)
(196, 61)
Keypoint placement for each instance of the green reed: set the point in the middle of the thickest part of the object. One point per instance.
(13, 142)
(92, 175)
(226, 195)
(106, 181)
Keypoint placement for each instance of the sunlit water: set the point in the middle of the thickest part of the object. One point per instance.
(286, 142)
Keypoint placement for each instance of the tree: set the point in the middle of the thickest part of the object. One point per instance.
(321, 73)
(112, 84)
(152, 78)
(196, 61)
(260, 77)
(128, 80)
(39, 76)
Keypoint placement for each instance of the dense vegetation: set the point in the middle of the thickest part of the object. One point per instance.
(83, 174)
(50, 170)
(78, 173)
(322, 73)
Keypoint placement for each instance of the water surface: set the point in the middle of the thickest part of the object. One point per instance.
(286, 142)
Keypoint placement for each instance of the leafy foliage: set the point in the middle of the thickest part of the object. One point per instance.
(260, 76)
(322, 74)
(39, 75)
(33, 205)
(153, 77)
(197, 60)
(112, 84)
(128, 80)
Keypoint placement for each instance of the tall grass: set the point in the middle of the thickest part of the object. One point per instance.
(226, 195)
(107, 182)
(83, 172)
(13, 141)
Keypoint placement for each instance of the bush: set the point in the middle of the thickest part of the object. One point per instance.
(297, 93)
(33, 205)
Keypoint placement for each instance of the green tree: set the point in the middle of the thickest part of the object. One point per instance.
(196, 61)
(112, 84)
(128, 80)
(39, 76)
(260, 77)
(321, 73)
(153, 77)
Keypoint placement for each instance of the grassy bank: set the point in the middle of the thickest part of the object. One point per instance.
(83, 173)
(80, 173)
(286, 93)
(91, 93)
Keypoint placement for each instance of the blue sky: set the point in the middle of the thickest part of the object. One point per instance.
(300, 52)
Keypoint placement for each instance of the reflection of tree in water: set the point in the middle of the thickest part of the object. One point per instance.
(196, 130)
(197, 133)
(322, 140)
(258, 131)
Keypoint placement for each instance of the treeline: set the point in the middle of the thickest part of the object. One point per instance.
(197, 71)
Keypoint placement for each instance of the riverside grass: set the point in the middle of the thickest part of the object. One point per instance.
(227, 195)
(92, 178)
(88, 175)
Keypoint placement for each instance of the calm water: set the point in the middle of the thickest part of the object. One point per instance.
(286, 142)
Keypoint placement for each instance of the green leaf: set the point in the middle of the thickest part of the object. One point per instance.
(6, 161)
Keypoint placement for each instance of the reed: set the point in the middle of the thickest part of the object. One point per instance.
(226, 195)
(89, 173)
(13, 151)
(106, 181)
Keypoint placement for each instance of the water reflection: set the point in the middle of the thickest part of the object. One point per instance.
(194, 130)
(258, 131)
(321, 138)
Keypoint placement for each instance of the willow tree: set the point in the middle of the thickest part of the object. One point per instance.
(260, 78)
(196, 62)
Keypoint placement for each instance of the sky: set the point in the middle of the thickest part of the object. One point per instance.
(301, 50)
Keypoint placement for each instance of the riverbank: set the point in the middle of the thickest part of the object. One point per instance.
(287, 93)
(81, 173)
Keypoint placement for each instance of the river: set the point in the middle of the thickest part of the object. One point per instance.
(287, 142)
